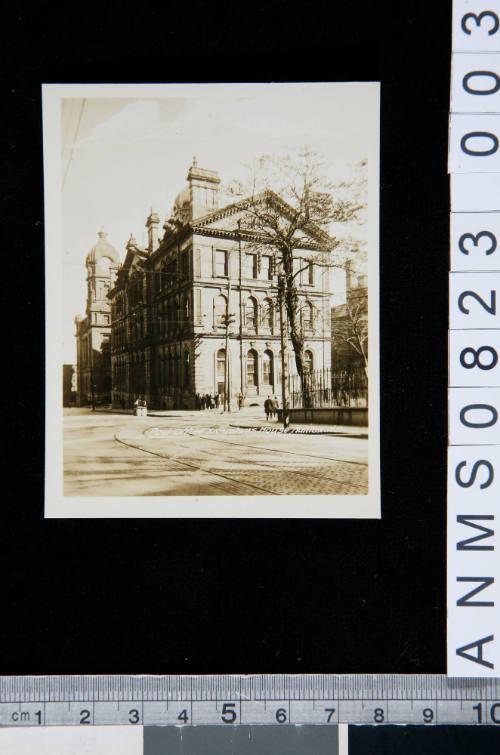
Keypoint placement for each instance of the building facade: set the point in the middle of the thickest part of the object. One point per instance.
(69, 385)
(350, 325)
(93, 330)
(169, 301)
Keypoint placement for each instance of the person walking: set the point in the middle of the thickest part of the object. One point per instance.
(268, 408)
(202, 402)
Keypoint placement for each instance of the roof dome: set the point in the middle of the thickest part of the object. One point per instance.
(103, 249)
(182, 200)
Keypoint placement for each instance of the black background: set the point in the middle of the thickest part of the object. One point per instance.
(200, 596)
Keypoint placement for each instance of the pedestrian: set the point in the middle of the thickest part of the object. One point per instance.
(217, 399)
(202, 402)
(275, 407)
(208, 400)
(268, 408)
(240, 400)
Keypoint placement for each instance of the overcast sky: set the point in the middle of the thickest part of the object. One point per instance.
(122, 156)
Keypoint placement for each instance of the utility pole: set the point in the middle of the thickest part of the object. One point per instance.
(281, 292)
(240, 402)
(228, 320)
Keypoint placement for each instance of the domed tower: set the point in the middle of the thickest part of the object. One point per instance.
(93, 332)
(199, 197)
(102, 265)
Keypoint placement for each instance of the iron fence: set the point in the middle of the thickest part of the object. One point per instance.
(328, 388)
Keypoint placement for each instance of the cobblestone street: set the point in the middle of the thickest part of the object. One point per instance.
(208, 453)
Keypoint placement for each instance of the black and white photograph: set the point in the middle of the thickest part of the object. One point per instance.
(215, 249)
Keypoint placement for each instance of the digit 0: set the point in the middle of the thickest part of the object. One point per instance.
(479, 407)
(473, 74)
(479, 135)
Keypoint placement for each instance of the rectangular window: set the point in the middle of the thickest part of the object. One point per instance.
(310, 274)
(220, 263)
(250, 268)
(267, 264)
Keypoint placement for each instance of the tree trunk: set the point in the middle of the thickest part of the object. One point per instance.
(296, 337)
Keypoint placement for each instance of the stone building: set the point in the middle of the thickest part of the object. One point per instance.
(350, 324)
(169, 300)
(69, 385)
(93, 330)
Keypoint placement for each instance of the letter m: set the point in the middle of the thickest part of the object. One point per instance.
(468, 519)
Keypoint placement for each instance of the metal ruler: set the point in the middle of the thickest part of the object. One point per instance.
(276, 700)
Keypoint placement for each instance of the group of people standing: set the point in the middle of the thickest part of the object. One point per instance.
(207, 401)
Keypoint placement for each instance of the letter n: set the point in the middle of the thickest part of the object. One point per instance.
(485, 582)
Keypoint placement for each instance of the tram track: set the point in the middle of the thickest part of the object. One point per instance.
(280, 451)
(190, 465)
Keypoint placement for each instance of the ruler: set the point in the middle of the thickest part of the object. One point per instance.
(474, 341)
(275, 700)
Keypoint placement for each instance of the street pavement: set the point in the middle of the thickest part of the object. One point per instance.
(208, 453)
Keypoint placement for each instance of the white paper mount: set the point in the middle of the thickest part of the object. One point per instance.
(473, 629)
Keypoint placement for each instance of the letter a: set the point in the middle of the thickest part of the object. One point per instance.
(479, 657)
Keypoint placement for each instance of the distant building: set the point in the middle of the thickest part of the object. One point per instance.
(69, 385)
(350, 325)
(169, 301)
(93, 331)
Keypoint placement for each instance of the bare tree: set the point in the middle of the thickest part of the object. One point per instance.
(351, 327)
(291, 204)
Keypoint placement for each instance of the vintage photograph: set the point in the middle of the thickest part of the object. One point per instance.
(212, 299)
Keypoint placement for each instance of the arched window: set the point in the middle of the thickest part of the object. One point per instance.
(221, 366)
(267, 314)
(251, 313)
(308, 361)
(267, 368)
(252, 375)
(220, 310)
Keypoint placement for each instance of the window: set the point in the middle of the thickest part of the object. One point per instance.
(267, 314)
(308, 361)
(310, 274)
(267, 264)
(307, 314)
(220, 311)
(220, 263)
(221, 365)
(252, 378)
(250, 268)
(251, 313)
(267, 368)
